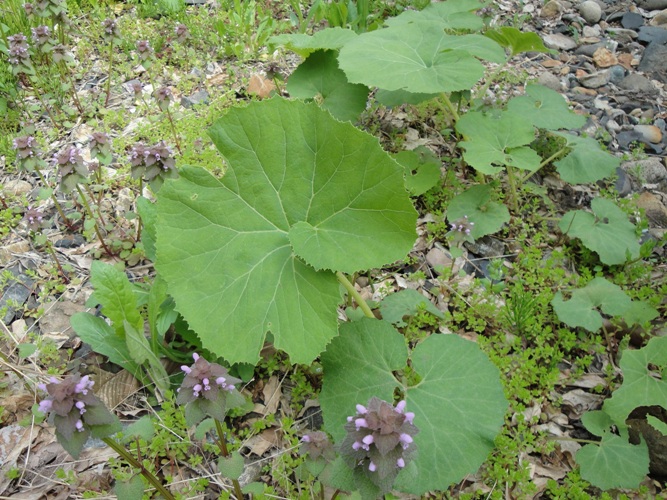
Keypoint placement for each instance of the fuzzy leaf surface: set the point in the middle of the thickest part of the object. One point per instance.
(417, 57)
(607, 231)
(320, 75)
(457, 379)
(244, 255)
(587, 162)
(545, 108)
(493, 141)
(476, 203)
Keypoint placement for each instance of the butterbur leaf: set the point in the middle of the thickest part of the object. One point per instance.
(614, 462)
(396, 306)
(607, 231)
(456, 380)
(644, 382)
(545, 108)
(391, 98)
(417, 57)
(586, 162)
(304, 194)
(142, 429)
(657, 424)
(475, 203)
(452, 14)
(325, 39)
(516, 41)
(231, 467)
(493, 141)
(422, 169)
(132, 489)
(320, 75)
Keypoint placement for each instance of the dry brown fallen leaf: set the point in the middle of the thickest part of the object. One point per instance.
(260, 86)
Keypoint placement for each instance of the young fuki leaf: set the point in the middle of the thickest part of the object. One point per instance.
(613, 462)
(325, 39)
(586, 162)
(452, 14)
(607, 231)
(475, 203)
(244, 255)
(422, 169)
(515, 40)
(319, 75)
(396, 306)
(495, 140)
(545, 109)
(417, 57)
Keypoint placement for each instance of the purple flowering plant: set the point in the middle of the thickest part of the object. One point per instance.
(27, 153)
(100, 147)
(153, 164)
(72, 168)
(76, 412)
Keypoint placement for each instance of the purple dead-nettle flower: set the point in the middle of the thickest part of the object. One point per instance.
(205, 390)
(72, 168)
(317, 445)
(19, 55)
(182, 33)
(61, 53)
(163, 96)
(27, 153)
(462, 225)
(144, 50)
(29, 9)
(137, 87)
(100, 147)
(379, 441)
(51, 8)
(41, 37)
(34, 218)
(110, 33)
(75, 411)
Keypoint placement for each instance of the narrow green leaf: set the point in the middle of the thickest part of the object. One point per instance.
(148, 213)
(95, 332)
(113, 291)
(141, 353)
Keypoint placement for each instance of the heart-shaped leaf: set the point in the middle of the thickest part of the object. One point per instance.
(475, 203)
(422, 169)
(326, 39)
(456, 380)
(320, 75)
(303, 192)
(493, 141)
(452, 14)
(587, 162)
(607, 231)
(545, 108)
(396, 306)
(417, 57)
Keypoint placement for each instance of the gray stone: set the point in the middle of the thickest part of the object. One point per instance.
(15, 294)
(654, 61)
(616, 74)
(589, 48)
(551, 9)
(650, 34)
(16, 187)
(551, 81)
(651, 170)
(635, 83)
(559, 41)
(632, 20)
(660, 19)
(649, 133)
(622, 184)
(199, 97)
(595, 80)
(652, 4)
(622, 35)
(590, 11)
(487, 247)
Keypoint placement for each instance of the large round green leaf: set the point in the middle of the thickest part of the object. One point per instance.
(458, 403)
(302, 192)
(417, 57)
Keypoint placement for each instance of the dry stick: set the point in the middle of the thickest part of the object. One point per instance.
(225, 453)
(137, 465)
(106, 100)
(95, 224)
(55, 201)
